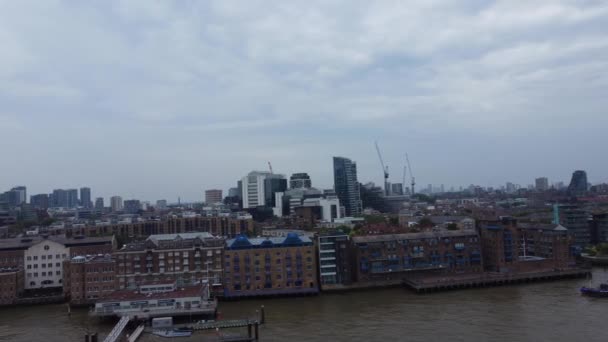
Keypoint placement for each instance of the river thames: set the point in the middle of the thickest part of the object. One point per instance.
(548, 311)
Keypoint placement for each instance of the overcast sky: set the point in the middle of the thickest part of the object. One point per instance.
(159, 99)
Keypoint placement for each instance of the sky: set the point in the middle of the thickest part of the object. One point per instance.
(156, 99)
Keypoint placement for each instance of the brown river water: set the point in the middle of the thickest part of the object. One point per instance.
(548, 311)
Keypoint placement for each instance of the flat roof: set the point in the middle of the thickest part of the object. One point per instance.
(28, 241)
(134, 295)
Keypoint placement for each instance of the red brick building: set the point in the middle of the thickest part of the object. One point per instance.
(88, 278)
(11, 285)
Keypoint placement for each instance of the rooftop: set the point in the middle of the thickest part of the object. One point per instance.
(411, 236)
(26, 242)
(291, 239)
(132, 295)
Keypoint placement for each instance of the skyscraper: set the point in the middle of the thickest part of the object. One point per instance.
(397, 189)
(17, 195)
(272, 184)
(85, 197)
(578, 184)
(213, 196)
(542, 184)
(299, 180)
(99, 204)
(116, 203)
(347, 185)
(72, 198)
(131, 206)
(60, 198)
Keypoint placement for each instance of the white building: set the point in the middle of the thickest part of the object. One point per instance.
(253, 189)
(44, 264)
(116, 203)
(330, 207)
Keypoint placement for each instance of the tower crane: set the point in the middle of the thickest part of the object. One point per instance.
(411, 173)
(270, 167)
(384, 170)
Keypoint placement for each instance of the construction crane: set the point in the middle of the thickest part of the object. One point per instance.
(411, 173)
(270, 167)
(403, 183)
(384, 170)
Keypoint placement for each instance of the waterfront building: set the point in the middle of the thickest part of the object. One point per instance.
(542, 184)
(40, 201)
(578, 184)
(41, 257)
(183, 257)
(116, 203)
(578, 222)
(300, 180)
(335, 260)
(599, 228)
(391, 256)
(270, 266)
(88, 278)
(131, 206)
(346, 185)
(85, 197)
(512, 247)
(11, 285)
(213, 196)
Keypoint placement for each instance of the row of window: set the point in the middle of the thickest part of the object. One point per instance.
(46, 257)
(43, 274)
(49, 265)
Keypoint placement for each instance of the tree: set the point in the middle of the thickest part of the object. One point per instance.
(426, 222)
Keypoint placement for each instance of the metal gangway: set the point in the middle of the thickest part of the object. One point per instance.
(118, 328)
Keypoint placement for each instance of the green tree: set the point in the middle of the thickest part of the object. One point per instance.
(426, 222)
(452, 226)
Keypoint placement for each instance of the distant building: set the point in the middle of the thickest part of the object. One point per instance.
(17, 195)
(270, 266)
(542, 184)
(234, 192)
(85, 197)
(578, 183)
(299, 180)
(99, 205)
(213, 196)
(116, 203)
(346, 185)
(510, 188)
(72, 198)
(40, 201)
(59, 198)
(161, 204)
(131, 206)
(578, 222)
(397, 189)
(253, 189)
(273, 184)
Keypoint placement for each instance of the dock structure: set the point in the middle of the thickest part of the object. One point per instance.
(452, 282)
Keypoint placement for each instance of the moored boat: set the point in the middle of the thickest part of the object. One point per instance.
(173, 333)
(601, 291)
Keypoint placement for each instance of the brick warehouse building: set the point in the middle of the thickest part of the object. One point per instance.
(270, 266)
(11, 285)
(184, 258)
(221, 225)
(393, 256)
(512, 247)
(88, 278)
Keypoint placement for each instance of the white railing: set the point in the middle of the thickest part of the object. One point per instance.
(115, 333)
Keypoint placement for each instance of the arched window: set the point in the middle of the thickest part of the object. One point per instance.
(46, 247)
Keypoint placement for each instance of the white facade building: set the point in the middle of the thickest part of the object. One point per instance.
(330, 207)
(43, 263)
(253, 189)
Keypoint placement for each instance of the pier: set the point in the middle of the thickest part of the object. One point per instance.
(428, 284)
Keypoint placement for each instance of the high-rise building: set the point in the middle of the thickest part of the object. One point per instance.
(72, 197)
(85, 197)
(299, 180)
(510, 188)
(578, 184)
(542, 184)
(40, 201)
(273, 184)
(347, 185)
(131, 206)
(253, 189)
(99, 203)
(397, 189)
(234, 192)
(213, 196)
(17, 195)
(116, 203)
(60, 198)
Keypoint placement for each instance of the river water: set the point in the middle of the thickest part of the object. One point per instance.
(549, 311)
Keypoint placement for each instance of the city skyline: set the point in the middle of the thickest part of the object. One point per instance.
(157, 100)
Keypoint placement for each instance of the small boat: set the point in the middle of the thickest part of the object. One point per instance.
(173, 333)
(602, 291)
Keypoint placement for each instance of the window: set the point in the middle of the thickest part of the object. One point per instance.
(50, 265)
(29, 258)
(57, 256)
(46, 247)
(35, 257)
(57, 272)
(29, 267)
(50, 257)
(35, 265)
(44, 257)
(35, 274)
(44, 274)
(58, 264)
